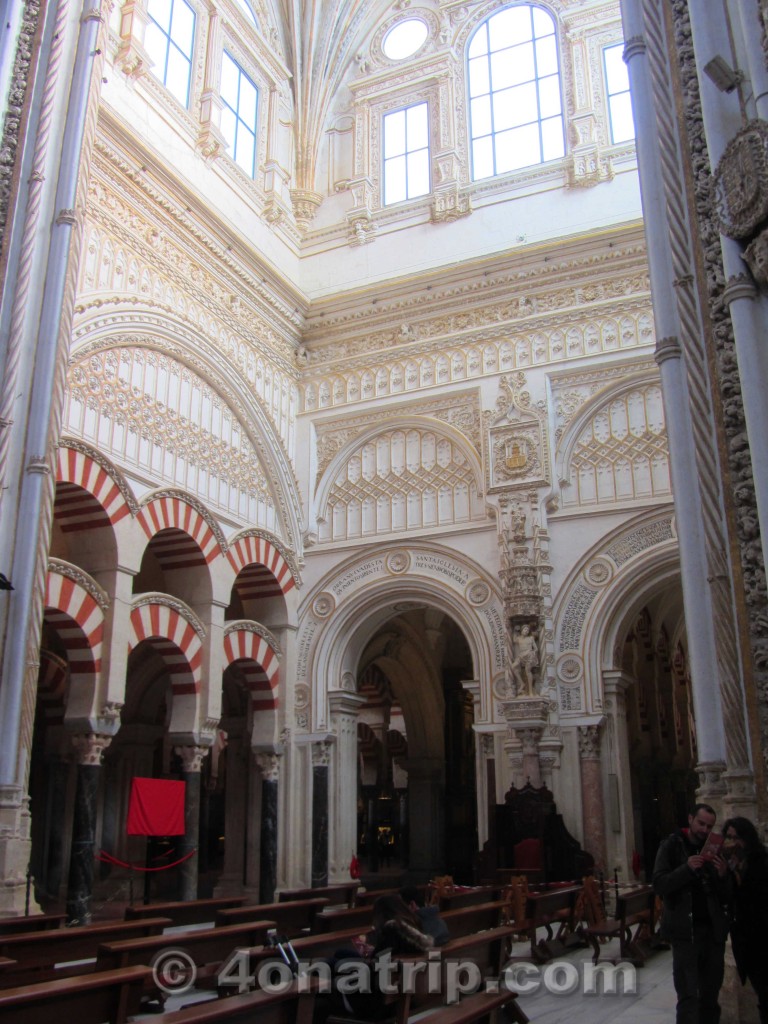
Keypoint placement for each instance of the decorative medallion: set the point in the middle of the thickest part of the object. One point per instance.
(741, 182)
(399, 561)
(569, 670)
(301, 697)
(478, 592)
(599, 572)
(324, 605)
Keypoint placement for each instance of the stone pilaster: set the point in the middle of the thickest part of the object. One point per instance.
(344, 707)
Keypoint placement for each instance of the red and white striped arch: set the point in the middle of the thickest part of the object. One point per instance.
(260, 666)
(172, 512)
(175, 638)
(78, 621)
(261, 568)
(76, 470)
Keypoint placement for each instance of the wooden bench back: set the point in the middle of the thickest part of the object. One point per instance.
(183, 912)
(342, 892)
(475, 918)
(89, 999)
(290, 1007)
(205, 946)
(31, 923)
(338, 920)
(545, 907)
(291, 918)
(635, 902)
(46, 948)
(458, 898)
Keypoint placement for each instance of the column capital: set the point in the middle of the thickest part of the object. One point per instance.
(740, 286)
(89, 747)
(268, 765)
(589, 742)
(345, 702)
(191, 758)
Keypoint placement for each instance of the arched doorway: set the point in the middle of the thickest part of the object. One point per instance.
(417, 803)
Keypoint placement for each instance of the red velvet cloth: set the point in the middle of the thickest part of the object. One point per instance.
(156, 808)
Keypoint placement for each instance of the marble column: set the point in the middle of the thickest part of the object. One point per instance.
(621, 837)
(320, 761)
(191, 760)
(232, 876)
(426, 817)
(269, 768)
(345, 707)
(89, 748)
(592, 803)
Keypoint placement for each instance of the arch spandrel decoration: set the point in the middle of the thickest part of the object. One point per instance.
(616, 449)
(639, 557)
(366, 591)
(414, 473)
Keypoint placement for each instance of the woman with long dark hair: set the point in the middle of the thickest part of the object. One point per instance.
(748, 859)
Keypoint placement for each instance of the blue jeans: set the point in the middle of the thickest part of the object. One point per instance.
(697, 970)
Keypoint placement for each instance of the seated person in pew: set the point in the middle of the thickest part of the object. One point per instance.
(396, 932)
(430, 921)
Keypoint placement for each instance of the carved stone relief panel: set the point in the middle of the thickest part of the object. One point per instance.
(517, 452)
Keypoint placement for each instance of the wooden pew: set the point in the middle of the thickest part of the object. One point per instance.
(367, 897)
(31, 923)
(633, 925)
(110, 996)
(545, 909)
(185, 912)
(290, 1007)
(342, 892)
(291, 918)
(482, 1006)
(208, 948)
(338, 920)
(37, 952)
(467, 897)
(477, 917)
(416, 991)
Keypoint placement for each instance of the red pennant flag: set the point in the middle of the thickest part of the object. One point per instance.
(354, 867)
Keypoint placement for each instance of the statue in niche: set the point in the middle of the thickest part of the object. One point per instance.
(525, 661)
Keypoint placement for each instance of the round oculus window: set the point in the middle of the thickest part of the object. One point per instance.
(405, 38)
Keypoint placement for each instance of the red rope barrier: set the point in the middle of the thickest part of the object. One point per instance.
(107, 858)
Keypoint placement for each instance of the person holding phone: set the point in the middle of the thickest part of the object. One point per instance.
(694, 886)
(747, 858)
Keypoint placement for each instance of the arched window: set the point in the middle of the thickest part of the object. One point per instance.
(516, 110)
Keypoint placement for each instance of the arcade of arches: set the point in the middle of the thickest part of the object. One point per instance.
(354, 497)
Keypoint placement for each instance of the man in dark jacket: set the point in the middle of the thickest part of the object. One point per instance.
(694, 888)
